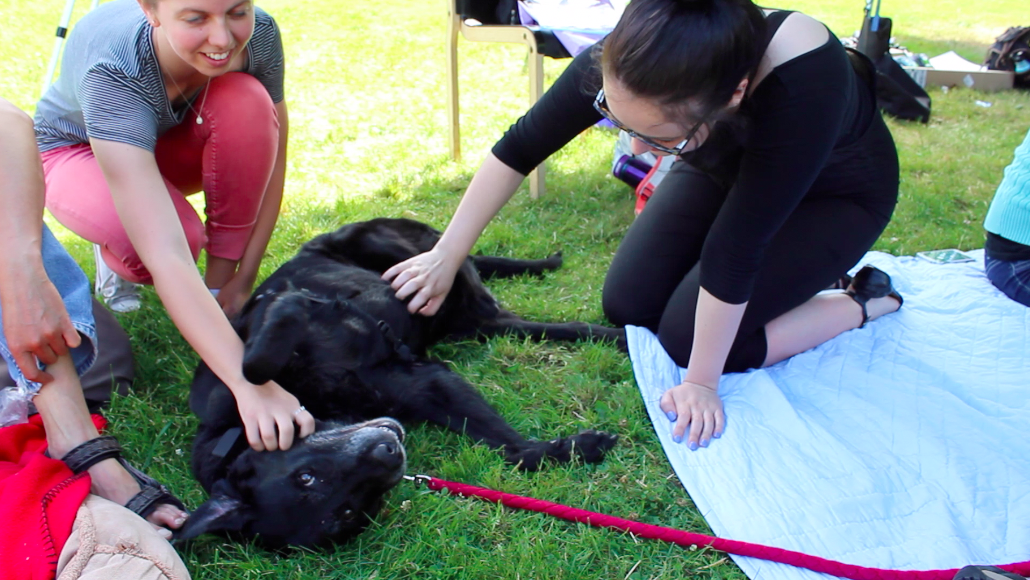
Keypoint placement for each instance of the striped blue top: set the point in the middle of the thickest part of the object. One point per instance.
(110, 87)
(1009, 214)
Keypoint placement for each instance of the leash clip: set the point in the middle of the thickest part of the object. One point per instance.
(417, 479)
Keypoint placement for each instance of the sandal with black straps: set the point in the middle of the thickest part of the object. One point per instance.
(151, 495)
(842, 283)
(869, 283)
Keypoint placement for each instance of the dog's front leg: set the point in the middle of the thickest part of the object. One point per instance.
(432, 392)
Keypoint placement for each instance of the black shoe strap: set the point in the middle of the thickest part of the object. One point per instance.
(92, 452)
(861, 302)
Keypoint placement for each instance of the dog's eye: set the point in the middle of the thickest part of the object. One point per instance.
(348, 514)
(306, 479)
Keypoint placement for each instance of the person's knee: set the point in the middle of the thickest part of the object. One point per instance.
(677, 338)
(622, 305)
(1012, 278)
(240, 96)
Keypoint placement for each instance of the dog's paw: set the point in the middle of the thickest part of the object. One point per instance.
(553, 262)
(591, 446)
(529, 457)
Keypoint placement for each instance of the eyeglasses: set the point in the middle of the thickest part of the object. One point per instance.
(602, 107)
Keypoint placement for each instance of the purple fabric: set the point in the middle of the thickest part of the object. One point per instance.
(577, 24)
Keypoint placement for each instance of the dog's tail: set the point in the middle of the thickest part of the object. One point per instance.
(497, 267)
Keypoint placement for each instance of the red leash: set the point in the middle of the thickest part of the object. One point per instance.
(688, 539)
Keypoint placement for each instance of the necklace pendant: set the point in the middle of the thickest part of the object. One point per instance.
(200, 120)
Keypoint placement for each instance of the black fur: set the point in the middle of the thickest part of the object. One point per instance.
(330, 331)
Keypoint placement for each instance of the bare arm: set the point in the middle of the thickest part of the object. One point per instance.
(149, 218)
(695, 403)
(715, 326)
(235, 292)
(427, 278)
(35, 321)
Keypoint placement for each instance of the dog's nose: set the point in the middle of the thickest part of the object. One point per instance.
(386, 452)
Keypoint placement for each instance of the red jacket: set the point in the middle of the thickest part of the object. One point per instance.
(39, 498)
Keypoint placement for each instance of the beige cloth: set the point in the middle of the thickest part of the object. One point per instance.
(109, 542)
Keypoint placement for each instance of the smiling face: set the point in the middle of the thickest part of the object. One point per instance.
(206, 35)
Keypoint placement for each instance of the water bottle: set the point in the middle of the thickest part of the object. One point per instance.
(14, 406)
(631, 170)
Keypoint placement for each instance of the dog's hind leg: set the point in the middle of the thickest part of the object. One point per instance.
(496, 267)
(507, 323)
(436, 394)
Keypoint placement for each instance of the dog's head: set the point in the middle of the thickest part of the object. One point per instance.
(328, 486)
(289, 333)
(324, 489)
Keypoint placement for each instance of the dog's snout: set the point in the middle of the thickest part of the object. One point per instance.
(386, 453)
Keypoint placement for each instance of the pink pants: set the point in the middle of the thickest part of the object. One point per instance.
(230, 157)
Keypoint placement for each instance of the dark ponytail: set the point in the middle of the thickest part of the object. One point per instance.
(683, 52)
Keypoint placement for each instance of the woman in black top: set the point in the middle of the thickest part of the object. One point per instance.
(787, 175)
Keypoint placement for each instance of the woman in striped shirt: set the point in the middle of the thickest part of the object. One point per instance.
(158, 99)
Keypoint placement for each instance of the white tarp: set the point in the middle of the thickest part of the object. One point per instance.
(901, 445)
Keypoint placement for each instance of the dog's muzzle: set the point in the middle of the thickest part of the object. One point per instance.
(386, 434)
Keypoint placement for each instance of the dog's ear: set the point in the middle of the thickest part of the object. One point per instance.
(273, 337)
(220, 513)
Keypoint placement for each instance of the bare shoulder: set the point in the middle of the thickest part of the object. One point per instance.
(798, 35)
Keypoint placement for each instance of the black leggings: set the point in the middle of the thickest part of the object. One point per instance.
(654, 278)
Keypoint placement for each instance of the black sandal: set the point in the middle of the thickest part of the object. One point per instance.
(152, 493)
(842, 283)
(869, 283)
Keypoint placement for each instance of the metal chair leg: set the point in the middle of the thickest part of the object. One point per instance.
(62, 32)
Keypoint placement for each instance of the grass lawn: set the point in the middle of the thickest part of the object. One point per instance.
(365, 87)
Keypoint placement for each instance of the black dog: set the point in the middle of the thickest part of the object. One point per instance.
(328, 329)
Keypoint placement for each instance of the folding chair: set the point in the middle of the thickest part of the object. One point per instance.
(494, 27)
(55, 57)
(62, 32)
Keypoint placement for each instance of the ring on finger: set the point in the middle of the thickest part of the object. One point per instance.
(300, 410)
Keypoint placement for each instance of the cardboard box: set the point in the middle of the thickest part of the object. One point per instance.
(987, 80)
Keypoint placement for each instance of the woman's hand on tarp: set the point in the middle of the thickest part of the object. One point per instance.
(695, 407)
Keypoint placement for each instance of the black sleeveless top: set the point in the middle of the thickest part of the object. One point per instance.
(799, 123)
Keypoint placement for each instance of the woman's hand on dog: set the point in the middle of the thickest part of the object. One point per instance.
(268, 412)
(425, 278)
(695, 406)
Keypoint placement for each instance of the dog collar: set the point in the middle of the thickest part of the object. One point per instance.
(227, 442)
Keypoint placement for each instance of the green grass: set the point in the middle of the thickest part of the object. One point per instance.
(369, 138)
